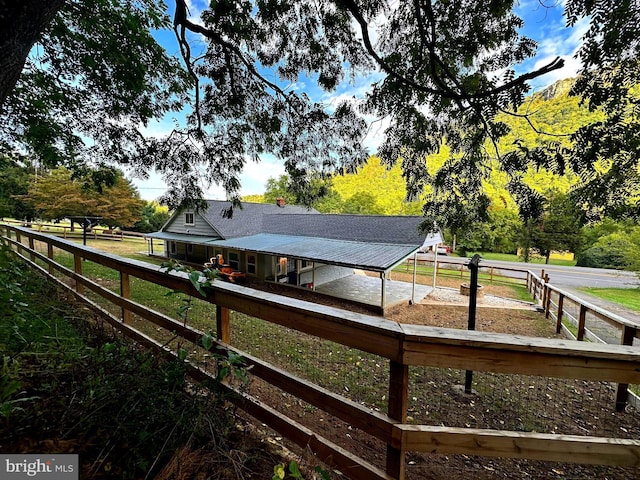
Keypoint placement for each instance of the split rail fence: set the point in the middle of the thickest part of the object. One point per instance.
(562, 305)
(403, 346)
(66, 231)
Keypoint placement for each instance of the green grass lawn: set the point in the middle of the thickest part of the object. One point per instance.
(507, 257)
(627, 297)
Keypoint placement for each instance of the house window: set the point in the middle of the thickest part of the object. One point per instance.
(305, 265)
(172, 247)
(189, 247)
(251, 264)
(189, 218)
(234, 260)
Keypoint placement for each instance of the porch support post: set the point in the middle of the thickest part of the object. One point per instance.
(435, 265)
(413, 286)
(383, 278)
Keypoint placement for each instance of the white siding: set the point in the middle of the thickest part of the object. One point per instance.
(199, 227)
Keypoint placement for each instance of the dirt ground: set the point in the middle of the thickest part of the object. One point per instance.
(557, 406)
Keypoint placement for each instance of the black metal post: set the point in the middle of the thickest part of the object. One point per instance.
(473, 265)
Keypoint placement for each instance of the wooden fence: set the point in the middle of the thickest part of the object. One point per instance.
(66, 231)
(402, 345)
(497, 273)
(557, 303)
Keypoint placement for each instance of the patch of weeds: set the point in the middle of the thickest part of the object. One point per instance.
(66, 386)
(283, 471)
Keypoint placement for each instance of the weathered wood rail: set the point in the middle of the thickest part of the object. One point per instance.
(66, 231)
(556, 301)
(403, 346)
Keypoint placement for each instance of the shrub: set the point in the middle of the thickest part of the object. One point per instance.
(618, 250)
(602, 257)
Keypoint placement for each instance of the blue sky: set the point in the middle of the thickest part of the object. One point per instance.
(543, 22)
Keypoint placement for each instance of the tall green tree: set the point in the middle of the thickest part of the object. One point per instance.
(434, 62)
(59, 194)
(153, 218)
(558, 228)
(14, 184)
(93, 76)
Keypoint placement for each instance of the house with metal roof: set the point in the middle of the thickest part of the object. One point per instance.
(293, 245)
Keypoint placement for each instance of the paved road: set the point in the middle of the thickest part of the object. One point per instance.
(560, 276)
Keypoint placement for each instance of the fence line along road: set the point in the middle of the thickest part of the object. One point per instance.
(396, 346)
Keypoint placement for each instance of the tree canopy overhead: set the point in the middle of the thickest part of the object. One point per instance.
(445, 70)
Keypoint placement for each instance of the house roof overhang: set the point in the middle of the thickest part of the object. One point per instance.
(181, 237)
(375, 257)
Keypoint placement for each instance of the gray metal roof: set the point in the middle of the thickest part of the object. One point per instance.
(400, 230)
(181, 237)
(250, 219)
(377, 257)
(255, 218)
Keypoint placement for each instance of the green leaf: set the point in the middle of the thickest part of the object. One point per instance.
(278, 472)
(207, 341)
(293, 470)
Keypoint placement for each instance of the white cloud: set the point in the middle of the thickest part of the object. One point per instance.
(253, 180)
(194, 10)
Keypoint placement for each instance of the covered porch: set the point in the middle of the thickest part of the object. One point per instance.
(361, 288)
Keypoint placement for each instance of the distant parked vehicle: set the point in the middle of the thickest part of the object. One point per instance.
(443, 249)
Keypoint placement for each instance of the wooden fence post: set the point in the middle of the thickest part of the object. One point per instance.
(125, 292)
(560, 311)
(581, 322)
(547, 302)
(32, 246)
(19, 240)
(50, 256)
(628, 334)
(398, 399)
(223, 324)
(490, 274)
(77, 267)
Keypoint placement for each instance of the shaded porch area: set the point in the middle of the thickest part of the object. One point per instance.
(368, 290)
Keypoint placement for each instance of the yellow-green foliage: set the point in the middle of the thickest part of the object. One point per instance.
(385, 186)
(377, 189)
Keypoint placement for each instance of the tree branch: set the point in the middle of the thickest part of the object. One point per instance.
(181, 19)
(353, 9)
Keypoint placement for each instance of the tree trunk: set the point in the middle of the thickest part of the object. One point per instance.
(22, 24)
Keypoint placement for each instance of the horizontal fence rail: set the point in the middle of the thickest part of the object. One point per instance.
(497, 271)
(67, 231)
(395, 347)
(564, 306)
